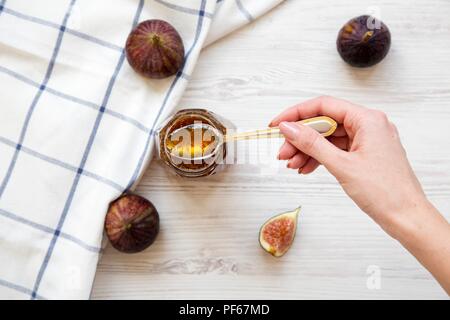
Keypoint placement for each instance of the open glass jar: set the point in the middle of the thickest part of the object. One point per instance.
(192, 118)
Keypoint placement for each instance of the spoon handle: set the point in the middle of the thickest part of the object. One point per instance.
(324, 125)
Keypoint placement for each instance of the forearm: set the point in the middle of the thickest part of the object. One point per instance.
(425, 233)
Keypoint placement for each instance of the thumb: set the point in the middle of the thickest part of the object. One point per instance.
(312, 143)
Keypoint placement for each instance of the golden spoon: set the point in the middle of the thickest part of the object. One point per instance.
(184, 151)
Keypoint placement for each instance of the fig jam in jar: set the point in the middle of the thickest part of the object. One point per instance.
(192, 122)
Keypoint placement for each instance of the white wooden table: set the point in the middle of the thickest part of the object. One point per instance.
(208, 248)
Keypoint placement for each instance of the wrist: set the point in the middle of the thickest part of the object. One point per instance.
(409, 222)
(416, 225)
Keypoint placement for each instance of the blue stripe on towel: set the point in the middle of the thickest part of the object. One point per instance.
(46, 229)
(79, 101)
(62, 164)
(36, 100)
(19, 288)
(57, 26)
(83, 162)
(244, 10)
(183, 9)
(86, 36)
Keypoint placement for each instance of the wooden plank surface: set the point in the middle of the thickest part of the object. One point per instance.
(208, 247)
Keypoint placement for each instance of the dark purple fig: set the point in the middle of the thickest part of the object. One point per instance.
(154, 49)
(132, 223)
(364, 41)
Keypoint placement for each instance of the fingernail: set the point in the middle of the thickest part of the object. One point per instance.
(300, 171)
(289, 130)
(288, 165)
(279, 152)
(271, 124)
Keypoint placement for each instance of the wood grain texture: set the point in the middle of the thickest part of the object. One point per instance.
(208, 244)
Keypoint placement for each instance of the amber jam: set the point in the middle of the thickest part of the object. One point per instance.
(192, 141)
(184, 154)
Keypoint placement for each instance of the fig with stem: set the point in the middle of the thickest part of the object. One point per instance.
(155, 49)
(364, 41)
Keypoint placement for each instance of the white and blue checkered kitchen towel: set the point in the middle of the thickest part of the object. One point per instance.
(76, 126)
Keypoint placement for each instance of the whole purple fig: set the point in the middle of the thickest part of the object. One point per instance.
(364, 41)
(132, 223)
(155, 49)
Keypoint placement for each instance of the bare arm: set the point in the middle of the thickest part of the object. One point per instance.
(426, 234)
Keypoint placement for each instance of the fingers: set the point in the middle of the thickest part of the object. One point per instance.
(323, 106)
(297, 161)
(287, 151)
(311, 165)
(311, 143)
(340, 131)
(340, 142)
(306, 164)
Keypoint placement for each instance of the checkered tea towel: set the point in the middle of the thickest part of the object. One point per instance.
(77, 124)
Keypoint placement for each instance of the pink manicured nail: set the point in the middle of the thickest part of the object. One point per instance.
(279, 152)
(289, 130)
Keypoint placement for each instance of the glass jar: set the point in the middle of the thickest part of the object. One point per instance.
(191, 168)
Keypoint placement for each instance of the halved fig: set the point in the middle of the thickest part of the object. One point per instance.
(278, 233)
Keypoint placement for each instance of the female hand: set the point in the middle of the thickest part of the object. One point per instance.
(364, 154)
(368, 160)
